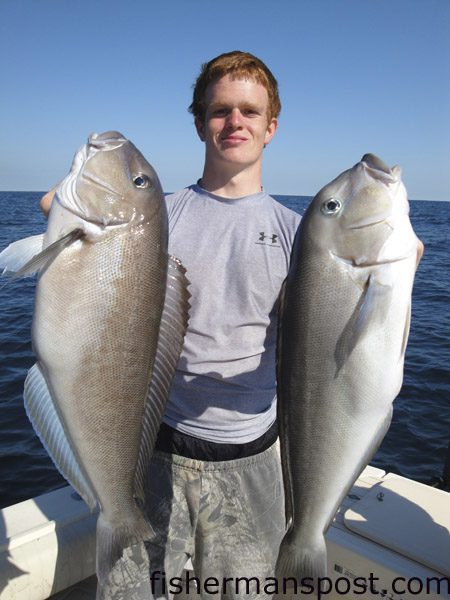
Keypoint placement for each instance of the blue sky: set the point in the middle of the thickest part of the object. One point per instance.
(355, 76)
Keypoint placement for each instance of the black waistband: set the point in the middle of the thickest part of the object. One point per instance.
(174, 442)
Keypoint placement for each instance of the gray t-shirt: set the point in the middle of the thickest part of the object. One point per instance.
(236, 253)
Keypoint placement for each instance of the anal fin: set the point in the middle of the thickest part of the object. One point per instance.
(47, 423)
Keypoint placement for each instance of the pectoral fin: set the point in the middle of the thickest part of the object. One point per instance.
(17, 254)
(26, 257)
(370, 311)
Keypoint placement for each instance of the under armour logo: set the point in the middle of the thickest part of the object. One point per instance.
(263, 236)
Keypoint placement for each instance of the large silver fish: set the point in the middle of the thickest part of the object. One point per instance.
(109, 321)
(345, 319)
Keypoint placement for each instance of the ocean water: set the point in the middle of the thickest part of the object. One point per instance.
(416, 443)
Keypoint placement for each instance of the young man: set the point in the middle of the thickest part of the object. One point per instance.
(215, 484)
(218, 497)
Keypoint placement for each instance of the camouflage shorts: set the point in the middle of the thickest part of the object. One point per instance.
(227, 517)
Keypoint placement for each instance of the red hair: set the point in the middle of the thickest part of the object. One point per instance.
(239, 65)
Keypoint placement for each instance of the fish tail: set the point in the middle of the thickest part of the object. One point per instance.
(299, 560)
(113, 539)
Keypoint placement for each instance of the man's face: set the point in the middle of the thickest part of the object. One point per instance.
(236, 125)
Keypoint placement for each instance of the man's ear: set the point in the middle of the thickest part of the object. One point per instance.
(200, 126)
(271, 128)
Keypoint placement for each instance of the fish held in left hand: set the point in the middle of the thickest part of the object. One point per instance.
(111, 310)
(344, 324)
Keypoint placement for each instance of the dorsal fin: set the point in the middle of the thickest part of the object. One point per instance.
(172, 329)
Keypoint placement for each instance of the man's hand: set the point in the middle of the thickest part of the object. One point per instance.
(46, 201)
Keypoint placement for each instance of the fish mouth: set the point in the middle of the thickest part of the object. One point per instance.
(374, 162)
(109, 140)
(380, 170)
(67, 195)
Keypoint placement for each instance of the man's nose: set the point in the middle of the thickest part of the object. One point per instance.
(234, 118)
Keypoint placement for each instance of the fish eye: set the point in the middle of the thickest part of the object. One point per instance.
(331, 206)
(141, 180)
